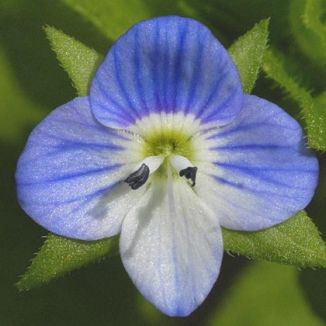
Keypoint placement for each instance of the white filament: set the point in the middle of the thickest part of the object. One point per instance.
(180, 162)
(153, 163)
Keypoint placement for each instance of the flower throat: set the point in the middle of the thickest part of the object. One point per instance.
(161, 150)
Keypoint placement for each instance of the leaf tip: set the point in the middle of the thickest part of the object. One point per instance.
(50, 32)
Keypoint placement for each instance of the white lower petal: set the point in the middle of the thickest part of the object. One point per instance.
(109, 211)
(171, 246)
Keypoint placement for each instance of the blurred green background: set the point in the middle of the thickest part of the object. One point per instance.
(32, 84)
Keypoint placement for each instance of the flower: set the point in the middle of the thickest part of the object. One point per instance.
(166, 150)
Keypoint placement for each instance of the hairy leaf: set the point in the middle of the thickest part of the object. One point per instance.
(79, 61)
(59, 256)
(313, 113)
(248, 52)
(309, 30)
(296, 242)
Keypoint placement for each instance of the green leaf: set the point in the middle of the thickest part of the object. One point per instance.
(112, 18)
(296, 242)
(79, 61)
(17, 109)
(248, 52)
(313, 19)
(265, 294)
(59, 256)
(309, 30)
(314, 115)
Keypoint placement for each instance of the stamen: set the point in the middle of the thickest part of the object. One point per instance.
(184, 168)
(190, 173)
(141, 173)
(139, 177)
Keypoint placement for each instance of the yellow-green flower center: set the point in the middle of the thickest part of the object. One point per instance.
(167, 143)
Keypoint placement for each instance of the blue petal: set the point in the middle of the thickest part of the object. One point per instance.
(68, 177)
(171, 245)
(262, 173)
(166, 64)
